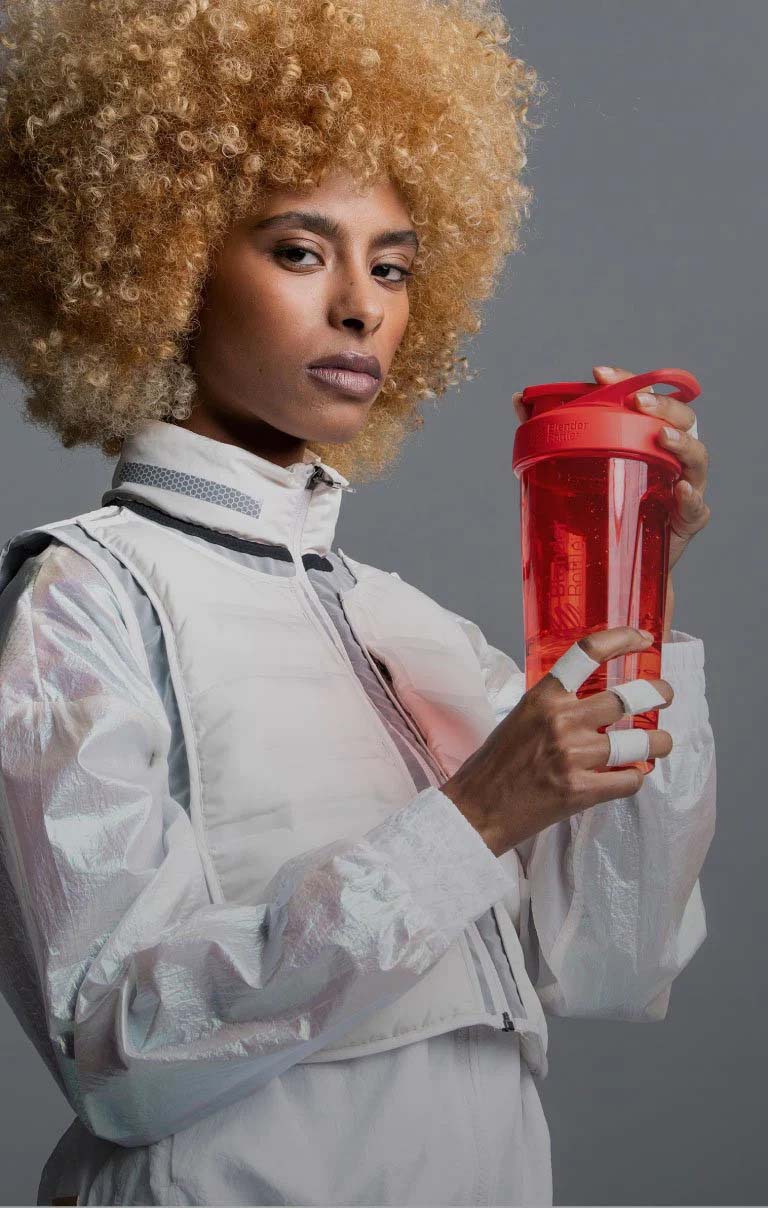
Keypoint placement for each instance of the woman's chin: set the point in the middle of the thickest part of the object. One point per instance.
(338, 432)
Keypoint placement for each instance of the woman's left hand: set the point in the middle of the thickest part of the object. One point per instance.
(690, 513)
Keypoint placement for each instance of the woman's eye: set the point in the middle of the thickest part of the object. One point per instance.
(289, 252)
(398, 268)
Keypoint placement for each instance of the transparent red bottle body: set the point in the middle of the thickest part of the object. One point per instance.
(595, 554)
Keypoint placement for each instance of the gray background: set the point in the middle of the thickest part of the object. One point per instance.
(645, 249)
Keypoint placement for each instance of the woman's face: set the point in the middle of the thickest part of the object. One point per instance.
(289, 290)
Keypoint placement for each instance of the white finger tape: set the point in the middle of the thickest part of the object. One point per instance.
(573, 667)
(627, 746)
(638, 695)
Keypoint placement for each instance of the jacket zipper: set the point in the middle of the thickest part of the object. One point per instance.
(318, 612)
(424, 754)
(406, 716)
(528, 996)
(318, 474)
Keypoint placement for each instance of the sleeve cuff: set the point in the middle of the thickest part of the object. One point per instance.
(681, 652)
(682, 665)
(450, 869)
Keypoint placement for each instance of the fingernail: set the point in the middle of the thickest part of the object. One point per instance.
(686, 487)
(604, 369)
(517, 396)
(646, 634)
(672, 433)
(647, 400)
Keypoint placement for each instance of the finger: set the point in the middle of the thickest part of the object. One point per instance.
(691, 452)
(691, 513)
(591, 750)
(659, 744)
(663, 406)
(610, 373)
(604, 708)
(598, 647)
(520, 410)
(597, 787)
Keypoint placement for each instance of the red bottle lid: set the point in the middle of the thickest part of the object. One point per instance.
(582, 418)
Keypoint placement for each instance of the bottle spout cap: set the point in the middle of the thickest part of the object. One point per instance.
(587, 419)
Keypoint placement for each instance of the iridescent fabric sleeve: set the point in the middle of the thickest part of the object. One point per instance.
(160, 1005)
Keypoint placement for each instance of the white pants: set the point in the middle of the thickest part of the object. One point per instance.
(454, 1119)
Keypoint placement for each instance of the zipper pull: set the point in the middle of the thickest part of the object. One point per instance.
(508, 1025)
(320, 475)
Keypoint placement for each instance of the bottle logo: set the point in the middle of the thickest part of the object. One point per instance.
(569, 580)
(564, 430)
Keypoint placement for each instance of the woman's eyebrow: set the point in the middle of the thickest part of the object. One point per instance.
(321, 224)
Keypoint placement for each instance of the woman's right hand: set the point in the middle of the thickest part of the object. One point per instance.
(538, 766)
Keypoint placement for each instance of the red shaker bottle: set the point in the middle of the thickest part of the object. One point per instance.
(596, 494)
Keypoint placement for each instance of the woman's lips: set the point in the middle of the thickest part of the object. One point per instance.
(347, 380)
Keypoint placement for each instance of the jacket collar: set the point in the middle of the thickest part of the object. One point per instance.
(226, 488)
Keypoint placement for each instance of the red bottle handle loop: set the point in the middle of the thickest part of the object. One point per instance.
(554, 394)
(615, 392)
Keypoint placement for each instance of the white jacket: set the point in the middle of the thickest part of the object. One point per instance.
(290, 913)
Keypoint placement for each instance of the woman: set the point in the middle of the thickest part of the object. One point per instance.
(293, 866)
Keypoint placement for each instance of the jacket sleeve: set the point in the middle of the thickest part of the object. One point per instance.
(615, 906)
(161, 1006)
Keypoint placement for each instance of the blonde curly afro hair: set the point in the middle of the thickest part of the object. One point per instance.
(134, 132)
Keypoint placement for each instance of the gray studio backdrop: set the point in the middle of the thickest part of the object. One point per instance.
(645, 248)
